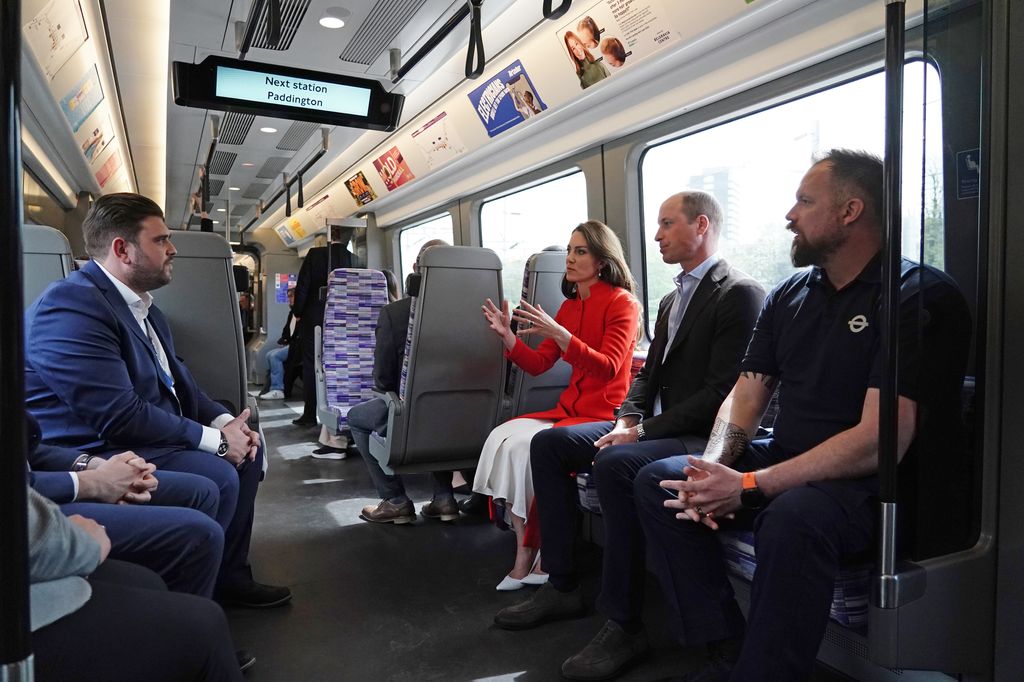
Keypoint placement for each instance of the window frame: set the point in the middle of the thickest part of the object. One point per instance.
(417, 221)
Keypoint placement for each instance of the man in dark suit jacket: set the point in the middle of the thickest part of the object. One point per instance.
(101, 376)
(372, 415)
(169, 528)
(309, 309)
(702, 329)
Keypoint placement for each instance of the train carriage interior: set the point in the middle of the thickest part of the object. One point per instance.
(268, 129)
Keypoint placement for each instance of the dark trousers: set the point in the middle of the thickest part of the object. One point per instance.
(800, 538)
(308, 342)
(370, 416)
(556, 452)
(132, 628)
(237, 490)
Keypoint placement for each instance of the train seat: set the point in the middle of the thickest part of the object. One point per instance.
(542, 285)
(46, 258)
(345, 344)
(453, 373)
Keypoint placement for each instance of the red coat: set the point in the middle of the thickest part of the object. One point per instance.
(603, 329)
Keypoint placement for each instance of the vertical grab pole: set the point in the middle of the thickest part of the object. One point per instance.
(888, 426)
(15, 635)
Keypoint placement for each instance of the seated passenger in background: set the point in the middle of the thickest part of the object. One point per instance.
(286, 355)
(167, 526)
(595, 331)
(121, 624)
(372, 415)
(101, 376)
(809, 490)
(702, 329)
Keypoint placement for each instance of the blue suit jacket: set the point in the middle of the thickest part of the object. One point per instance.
(49, 466)
(92, 377)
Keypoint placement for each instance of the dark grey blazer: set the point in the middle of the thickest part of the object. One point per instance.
(392, 328)
(703, 361)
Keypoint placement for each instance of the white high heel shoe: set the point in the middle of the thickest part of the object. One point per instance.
(535, 578)
(509, 584)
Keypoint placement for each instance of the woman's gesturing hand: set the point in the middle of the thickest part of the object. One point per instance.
(500, 321)
(533, 320)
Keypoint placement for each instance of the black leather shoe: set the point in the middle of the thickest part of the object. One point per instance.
(245, 660)
(305, 421)
(546, 604)
(254, 595)
(721, 659)
(475, 505)
(611, 650)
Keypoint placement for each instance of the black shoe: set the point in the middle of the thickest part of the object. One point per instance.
(254, 595)
(245, 659)
(546, 604)
(305, 421)
(464, 489)
(475, 505)
(611, 650)
(721, 659)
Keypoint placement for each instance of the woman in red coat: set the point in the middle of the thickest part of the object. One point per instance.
(595, 331)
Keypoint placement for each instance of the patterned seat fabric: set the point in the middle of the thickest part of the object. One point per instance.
(354, 300)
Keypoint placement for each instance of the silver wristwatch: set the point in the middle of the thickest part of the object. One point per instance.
(640, 435)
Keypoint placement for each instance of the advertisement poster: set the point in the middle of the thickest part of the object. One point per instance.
(438, 140)
(281, 281)
(82, 99)
(393, 169)
(506, 100)
(360, 189)
(109, 168)
(285, 235)
(96, 135)
(612, 34)
(55, 34)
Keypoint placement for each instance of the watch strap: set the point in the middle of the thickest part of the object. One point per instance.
(640, 435)
(749, 480)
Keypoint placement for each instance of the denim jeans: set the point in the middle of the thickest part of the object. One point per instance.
(275, 359)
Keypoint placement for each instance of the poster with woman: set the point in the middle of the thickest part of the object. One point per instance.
(506, 100)
(610, 34)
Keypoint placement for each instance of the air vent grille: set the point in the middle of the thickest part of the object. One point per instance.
(292, 12)
(273, 166)
(255, 190)
(222, 162)
(296, 136)
(215, 187)
(235, 128)
(375, 34)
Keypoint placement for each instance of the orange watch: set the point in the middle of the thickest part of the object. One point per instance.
(751, 496)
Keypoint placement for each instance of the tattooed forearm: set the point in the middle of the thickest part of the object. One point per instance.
(727, 443)
(767, 379)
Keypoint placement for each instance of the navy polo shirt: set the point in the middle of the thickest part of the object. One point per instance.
(824, 346)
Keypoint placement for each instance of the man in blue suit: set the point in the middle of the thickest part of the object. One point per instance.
(102, 377)
(167, 525)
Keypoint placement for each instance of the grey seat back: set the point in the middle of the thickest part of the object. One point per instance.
(201, 305)
(46, 258)
(542, 285)
(452, 381)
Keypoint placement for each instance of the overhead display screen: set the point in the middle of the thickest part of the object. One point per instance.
(265, 88)
(284, 92)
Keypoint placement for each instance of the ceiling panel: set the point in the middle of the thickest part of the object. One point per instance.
(385, 21)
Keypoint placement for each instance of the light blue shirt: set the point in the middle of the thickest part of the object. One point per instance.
(686, 285)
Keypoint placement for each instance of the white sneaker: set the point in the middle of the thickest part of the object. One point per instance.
(273, 395)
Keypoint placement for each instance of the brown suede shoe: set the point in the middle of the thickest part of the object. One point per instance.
(611, 650)
(386, 512)
(447, 510)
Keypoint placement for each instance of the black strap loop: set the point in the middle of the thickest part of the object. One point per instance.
(475, 51)
(559, 11)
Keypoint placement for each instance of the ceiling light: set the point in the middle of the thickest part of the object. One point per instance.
(216, 222)
(268, 129)
(248, 164)
(221, 210)
(334, 17)
(236, 189)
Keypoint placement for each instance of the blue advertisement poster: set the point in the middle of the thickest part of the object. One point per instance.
(506, 100)
(82, 99)
(282, 282)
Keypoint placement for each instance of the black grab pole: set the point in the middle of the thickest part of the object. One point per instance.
(888, 407)
(15, 634)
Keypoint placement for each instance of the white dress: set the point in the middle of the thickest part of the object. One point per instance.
(504, 469)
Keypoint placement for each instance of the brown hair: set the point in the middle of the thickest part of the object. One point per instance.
(577, 62)
(605, 247)
(116, 215)
(613, 46)
(591, 25)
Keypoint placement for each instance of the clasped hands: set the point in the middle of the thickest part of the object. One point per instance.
(243, 442)
(710, 491)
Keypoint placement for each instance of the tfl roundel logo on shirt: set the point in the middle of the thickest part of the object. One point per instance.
(857, 324)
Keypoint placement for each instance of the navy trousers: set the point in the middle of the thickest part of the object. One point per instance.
(800, 538)
(556, 452)
(237, 489)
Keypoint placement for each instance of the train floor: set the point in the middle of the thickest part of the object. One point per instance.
(398, 603)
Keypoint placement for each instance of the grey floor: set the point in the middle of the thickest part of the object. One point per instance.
(397, 603)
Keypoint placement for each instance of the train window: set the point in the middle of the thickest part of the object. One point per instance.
(520, 224)
(413, 237)
(753, 166)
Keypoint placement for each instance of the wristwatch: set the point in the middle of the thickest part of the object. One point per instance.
(640, 435)
(81, 463)
(222, 449)
(751, 497)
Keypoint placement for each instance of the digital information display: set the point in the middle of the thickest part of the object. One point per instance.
(280, 91)
(268, 88)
